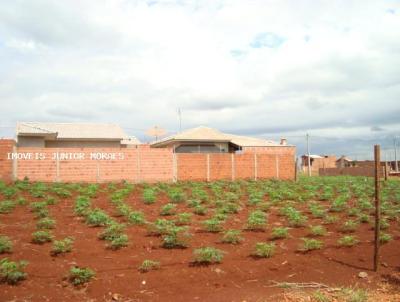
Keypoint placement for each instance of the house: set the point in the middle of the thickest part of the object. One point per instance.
(64, 135)
(317, 162)
(343, 162)
(208, 140)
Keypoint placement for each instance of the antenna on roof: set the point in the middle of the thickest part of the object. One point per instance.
(156, 132)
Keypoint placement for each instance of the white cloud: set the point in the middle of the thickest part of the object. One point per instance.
(136, 62)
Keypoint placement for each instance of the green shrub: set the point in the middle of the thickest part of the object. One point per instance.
(349, 226)
(50, 200)
(353, 212)
(207, 255)
(46, 223)
(42, 213)
(62, 246)
(264, 250)
(9, 192)
(41, 237)
(112, 231)
(82, 205)
(280, 232)
(136, 217)
(176, 195)
(5, 244)
(6, 206)
(317, 230)
(149, 265)
(330, 219)
(200, 210)
(310, 244)
(149, 196)
(21, 201)
(12, 272)
(317, 210)
(232, 237)
(212, 225)
(78, 276)
(168, 209)
(385, 238)
(257, 220)
(183, 218)
(118, 242)
(363, 218)
(348, 240)
(176, 237)
(97, 218)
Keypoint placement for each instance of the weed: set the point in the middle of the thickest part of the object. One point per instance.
(232, 237)
(176, 195)
(78, 276)
(354, 295)
(112, 231)
(136, 217)
(257, 220)
(264, 250)
(62, 246)
(149, 265)
(330, 219)
(363, 218)
(319, 296)
(176, 237)
(118, 242)
(12, 272)
(82, 205)
(212, 225)
(183, 218)
(208, 255)
(5, 244)
(349, 226)
(149, 196)
(200, 210)
(385, 238)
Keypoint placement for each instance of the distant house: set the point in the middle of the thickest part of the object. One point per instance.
(64, 135)
(344, 162)
(208, 140)
(317, 162)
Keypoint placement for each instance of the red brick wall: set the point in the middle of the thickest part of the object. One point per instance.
(6, 146)
(145, 164)
(353, 171)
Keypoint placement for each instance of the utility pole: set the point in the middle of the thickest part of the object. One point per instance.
(180, 119)
(308, 154)
(396, 166)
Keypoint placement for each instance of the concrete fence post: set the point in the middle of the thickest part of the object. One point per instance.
(14, 175)
(57, 166)
(137, 164)
(233, 166)
(208, 166)
(174, 167)
(255, 166)
(277, 165)
(97, 171)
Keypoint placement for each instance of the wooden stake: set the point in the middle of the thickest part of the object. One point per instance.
(295, 169)
(377, 155)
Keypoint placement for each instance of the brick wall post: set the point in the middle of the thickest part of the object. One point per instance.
(174, 167)
(277, 165)
(255, 166)
(233, 166)
(208, 166)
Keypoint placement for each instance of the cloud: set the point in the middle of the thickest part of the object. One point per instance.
(330, 69)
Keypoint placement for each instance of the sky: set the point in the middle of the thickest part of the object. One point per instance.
(264, 68)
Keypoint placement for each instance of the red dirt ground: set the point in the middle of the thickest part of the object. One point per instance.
(238, 278)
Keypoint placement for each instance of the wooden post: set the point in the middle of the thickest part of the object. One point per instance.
(386, 171)
(377, 155)
(295, 170)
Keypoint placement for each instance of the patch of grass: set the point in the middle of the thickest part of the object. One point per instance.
(280, 232)
(6, 206)
(82, 205)
(207, 255)
(354, 295)
(136, 217)
(363, 218)
(264, 250)
(168, 209)
(41, 237)
(21, 201)
(232, 237)
(12, 272)
(149, 265)
(97, 217)
(62, 246)
(348, 240)
(46, 223)
(317, 230)
(310, 244)
(200, 210)
(319, 296)
(176, 195)
(78, 276)
(330, 219)
(5, 244)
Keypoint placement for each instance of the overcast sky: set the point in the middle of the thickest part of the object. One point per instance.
(261, 68)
